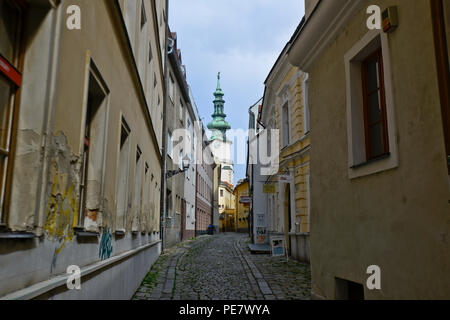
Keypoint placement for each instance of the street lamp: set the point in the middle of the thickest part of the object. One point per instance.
(186, 165)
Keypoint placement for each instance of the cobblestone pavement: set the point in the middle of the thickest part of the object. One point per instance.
(221, 267)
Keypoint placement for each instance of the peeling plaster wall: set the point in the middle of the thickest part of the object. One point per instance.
(26, 188)
(54, 216)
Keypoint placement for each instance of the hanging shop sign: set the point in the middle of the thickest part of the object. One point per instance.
(269, 188)
(284, 179)
(245, 199)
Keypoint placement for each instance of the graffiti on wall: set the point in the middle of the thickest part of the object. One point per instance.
(106, 247)
(61, 213)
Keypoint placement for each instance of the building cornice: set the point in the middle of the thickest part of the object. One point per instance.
(321, 28)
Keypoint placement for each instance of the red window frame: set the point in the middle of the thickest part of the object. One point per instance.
(378, 56)
(12, 71)
(443, 68)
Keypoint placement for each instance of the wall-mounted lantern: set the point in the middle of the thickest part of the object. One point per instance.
(390, 19)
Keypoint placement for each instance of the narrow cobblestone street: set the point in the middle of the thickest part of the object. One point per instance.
(221, 268)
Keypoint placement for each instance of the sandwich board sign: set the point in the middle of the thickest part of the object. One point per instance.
(278, 249)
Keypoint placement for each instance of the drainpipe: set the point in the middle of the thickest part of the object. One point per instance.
(57, 11)
(196, 202)
(164, 137)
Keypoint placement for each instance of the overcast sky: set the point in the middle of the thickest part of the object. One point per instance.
(240, 38)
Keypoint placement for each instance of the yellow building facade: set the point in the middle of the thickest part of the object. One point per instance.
(227, 209)
(241, 193)
(285, 113)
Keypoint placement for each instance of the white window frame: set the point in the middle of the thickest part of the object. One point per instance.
(103, 118)
(358, 166)
(306, 111)
(181, 110)
(286, 134)
(169, 144)
(171, 88)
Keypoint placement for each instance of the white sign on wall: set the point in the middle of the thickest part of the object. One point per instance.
(260, 220)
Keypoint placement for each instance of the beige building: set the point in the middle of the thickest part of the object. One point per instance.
(380, 134)
(81, 93)
(179, 219)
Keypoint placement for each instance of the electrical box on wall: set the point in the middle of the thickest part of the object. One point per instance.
(390, 19)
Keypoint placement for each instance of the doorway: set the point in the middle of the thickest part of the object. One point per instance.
(287, 216)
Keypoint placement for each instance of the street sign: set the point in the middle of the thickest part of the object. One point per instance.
(277, 247)
(245, 199)
(269, 188)
(285, 179)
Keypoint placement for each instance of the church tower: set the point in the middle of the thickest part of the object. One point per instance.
(219, 126)
(221, 146)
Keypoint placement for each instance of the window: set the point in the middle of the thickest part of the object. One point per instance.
(374, 102)
(348, 290)
(180, 159)
(221, 193)
(122, 189)
(143, 15)
(11, 20)
(171, 88)
(168, 203)
(371, 130)
(137, 190)
(143, 42)
(285, 124)
(131, 11)
(181, 110)
(150, 73)
(306, 115)
(145, 211)
(94, 142)
(169, 144)
(252, 124)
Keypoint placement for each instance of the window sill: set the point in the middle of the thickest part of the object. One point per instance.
(382, 157)
(17, 235)
(81, 233)
(384, 163)
(119, 233)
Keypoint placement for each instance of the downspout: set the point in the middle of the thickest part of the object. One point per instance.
(164, 137)
(196, 202)
(49, 116)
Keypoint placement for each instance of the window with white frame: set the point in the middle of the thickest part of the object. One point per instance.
(137, 190)
(143, 42)
(123, 176)
(169, 144)
(130, 20)
(94, 142)
(11, 27)
(371, 130)
(150, 74)
(306, 114)
(181, 110)
(171, 88)
(285, 124)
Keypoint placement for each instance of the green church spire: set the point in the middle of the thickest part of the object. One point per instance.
(219, 126)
